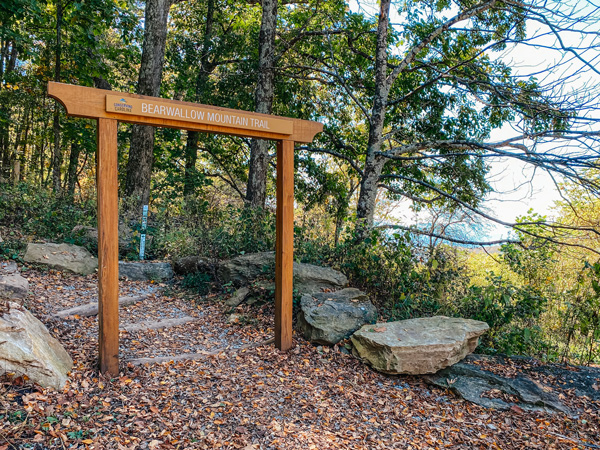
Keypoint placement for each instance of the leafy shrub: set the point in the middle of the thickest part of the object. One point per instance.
(11, 249)
(580, 317)
(38, 212)
(510, 311)
(216, 233)
(199, 282)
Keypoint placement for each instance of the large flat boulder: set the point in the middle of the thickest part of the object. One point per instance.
(26, 348)
(12, 285)
(71, 258)
(328, 317)
(145, 271)
(308, 278)
(417, 346)
(246, 268)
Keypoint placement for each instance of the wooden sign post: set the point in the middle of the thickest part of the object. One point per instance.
(109, 108)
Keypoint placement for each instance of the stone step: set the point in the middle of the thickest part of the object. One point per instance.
(91, 309)
(156, 325)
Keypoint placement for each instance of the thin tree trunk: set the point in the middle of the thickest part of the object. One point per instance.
(14, 158)
(42, 145)
(57, 153)
(206, 67)
(256, 190)
(191, 156)
(365, 209)
(72, 171)
(25, 142)
(7, 65)
(141, 152)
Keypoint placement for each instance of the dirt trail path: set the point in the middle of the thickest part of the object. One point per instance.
(255, 398)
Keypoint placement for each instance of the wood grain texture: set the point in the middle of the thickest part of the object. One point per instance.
(284, 252)
(80, 101)
(108, 247)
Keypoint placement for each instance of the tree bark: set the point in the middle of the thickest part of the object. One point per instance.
(7, 64)
(141, 152)
(72, 171)
(256, 190)
(365, 208)
(191, 156)
(57, 153)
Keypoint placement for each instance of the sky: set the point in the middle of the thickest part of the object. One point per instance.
(517, 187)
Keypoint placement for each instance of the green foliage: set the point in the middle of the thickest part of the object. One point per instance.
(11, 248)
(199, 282)
(580, 316)
(213, 232)
(533, 258)
(510, 311)
(385, 267)
(39, 212)
(17, 416)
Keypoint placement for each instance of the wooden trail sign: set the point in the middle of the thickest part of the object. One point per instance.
(197, 114)
(109, 108)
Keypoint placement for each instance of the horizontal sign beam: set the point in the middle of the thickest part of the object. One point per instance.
(80, 101)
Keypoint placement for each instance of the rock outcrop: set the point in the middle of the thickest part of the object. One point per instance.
(145, 271)
(308, 278)
(12, 285)
(489, 390)
(328, 317)
(26, 348)
(67, 257)
(417, 346)
(90, 234)
(192, 264)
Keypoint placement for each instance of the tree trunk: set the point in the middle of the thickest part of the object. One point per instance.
(72, 171)
(206, 67)
(8, 60)
(139, 165)
(14, 158)
(191, 156)
(57, 153)
(23, 154)
(256, 190)
(365, 208)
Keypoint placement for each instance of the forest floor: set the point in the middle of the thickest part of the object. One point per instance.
(252, 397)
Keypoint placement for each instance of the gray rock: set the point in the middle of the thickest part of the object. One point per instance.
(417, 346)
(12, 285)
(26, 348)
(246, 268)
(192, 264)
(327, 318)
(308, 278)
(471, 382)
(91, 234)
(67, 257)
(145, 271)
(238, 297)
